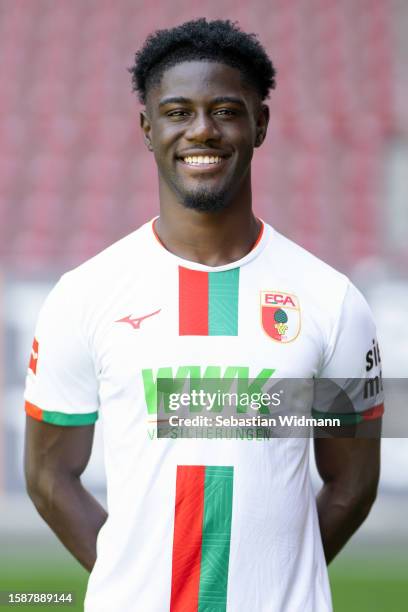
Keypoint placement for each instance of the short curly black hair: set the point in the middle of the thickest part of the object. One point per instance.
(218, 40)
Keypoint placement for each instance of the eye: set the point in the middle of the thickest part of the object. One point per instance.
(225, 112)
(176, 113)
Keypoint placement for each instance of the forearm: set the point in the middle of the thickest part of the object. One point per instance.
(73, 514)
(340, 515)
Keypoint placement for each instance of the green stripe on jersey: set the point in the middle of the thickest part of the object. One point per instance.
(60, 418)
(217, 515)
(223, 290)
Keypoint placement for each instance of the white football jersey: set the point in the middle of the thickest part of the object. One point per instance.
(206, 523)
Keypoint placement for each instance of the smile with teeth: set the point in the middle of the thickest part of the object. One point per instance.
(197, 160)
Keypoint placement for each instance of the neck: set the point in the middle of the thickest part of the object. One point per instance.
(209, 238)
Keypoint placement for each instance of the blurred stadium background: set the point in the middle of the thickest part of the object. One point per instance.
(75, 177)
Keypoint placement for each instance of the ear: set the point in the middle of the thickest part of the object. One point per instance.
(262, 125)
(146, 129)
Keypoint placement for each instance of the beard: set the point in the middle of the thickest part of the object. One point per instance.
(200, 198)
(204, 200)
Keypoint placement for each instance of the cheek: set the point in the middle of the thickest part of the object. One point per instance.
(161, 152)
(246, 149)
(242, 137)
(165, 137)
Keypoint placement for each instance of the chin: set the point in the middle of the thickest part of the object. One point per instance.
(205, 201)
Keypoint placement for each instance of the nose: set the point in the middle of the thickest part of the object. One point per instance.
(202, 128)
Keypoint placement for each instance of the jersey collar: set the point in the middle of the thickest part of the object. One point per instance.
(261, 241)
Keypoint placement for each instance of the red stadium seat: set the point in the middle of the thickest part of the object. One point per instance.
(75, 174)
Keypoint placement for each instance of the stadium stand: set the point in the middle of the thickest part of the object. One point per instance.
(74, 174)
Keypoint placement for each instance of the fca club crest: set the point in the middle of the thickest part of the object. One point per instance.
(280, 314)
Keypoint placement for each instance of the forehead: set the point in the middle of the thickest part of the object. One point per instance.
(197, 80)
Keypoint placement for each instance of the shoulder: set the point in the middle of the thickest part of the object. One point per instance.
(329, 302)
(121, 255)
(317, 282)
(100, 274)
(81, 295)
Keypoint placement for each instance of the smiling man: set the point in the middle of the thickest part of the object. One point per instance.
(205, 292)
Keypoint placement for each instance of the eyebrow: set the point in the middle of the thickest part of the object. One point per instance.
(217, 100)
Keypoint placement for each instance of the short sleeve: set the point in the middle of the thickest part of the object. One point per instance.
(61, 384)
(351, 364)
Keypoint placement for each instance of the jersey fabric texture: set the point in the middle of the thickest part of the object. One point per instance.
(226, 525)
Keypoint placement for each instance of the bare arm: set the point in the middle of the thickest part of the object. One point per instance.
(55, 458)
(350, 471)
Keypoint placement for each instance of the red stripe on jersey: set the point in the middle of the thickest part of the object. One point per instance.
(373, 413)
(187, 539)
(193, 302)
(258, 240)
(34, 357)
(34, 411)
(156, 235)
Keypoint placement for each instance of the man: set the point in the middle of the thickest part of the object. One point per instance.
(206, 290)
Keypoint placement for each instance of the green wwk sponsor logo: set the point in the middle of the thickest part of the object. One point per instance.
(206, 389)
